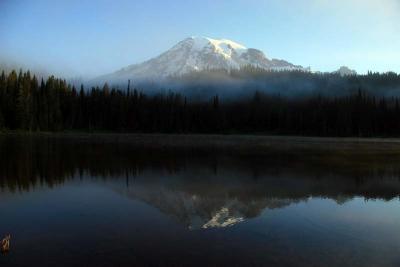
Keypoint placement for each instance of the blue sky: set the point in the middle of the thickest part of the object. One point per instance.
(88, 38)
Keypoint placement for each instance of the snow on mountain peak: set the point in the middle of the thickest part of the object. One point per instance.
(201, 42)
(222, 46)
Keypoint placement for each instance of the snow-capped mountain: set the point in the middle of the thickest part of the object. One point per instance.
(197, 54)
(201, 211)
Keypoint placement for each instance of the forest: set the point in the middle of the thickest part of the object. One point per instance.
(31, 104)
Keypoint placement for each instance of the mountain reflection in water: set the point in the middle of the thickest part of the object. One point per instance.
(271, 206)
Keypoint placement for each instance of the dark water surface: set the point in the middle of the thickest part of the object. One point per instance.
(79, 203)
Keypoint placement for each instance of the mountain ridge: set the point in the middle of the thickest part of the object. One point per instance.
(197, 54)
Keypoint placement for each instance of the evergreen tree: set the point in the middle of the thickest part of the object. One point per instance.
(54, 105)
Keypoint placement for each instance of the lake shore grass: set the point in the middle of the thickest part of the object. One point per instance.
(256, 145)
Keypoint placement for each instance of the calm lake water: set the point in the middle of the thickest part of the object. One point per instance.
(76, 203)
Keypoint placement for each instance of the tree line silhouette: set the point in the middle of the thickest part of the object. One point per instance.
(54, 105)
(32, 161)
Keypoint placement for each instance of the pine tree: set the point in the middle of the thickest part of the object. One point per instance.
(1, 121)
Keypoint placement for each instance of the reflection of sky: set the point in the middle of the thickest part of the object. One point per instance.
(358, 232)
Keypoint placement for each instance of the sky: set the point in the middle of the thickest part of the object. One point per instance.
(86, 38)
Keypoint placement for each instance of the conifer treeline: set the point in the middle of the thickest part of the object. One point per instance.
(53, 105)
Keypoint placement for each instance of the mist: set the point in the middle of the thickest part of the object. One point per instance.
(236, 84)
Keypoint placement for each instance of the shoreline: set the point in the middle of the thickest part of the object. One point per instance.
(242, 144)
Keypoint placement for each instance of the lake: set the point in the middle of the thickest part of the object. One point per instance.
(90, 201)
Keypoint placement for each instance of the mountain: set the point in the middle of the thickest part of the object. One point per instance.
(202, 208)
(197, 54)
(345, 71)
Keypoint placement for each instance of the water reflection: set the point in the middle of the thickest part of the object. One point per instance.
(193, 207)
